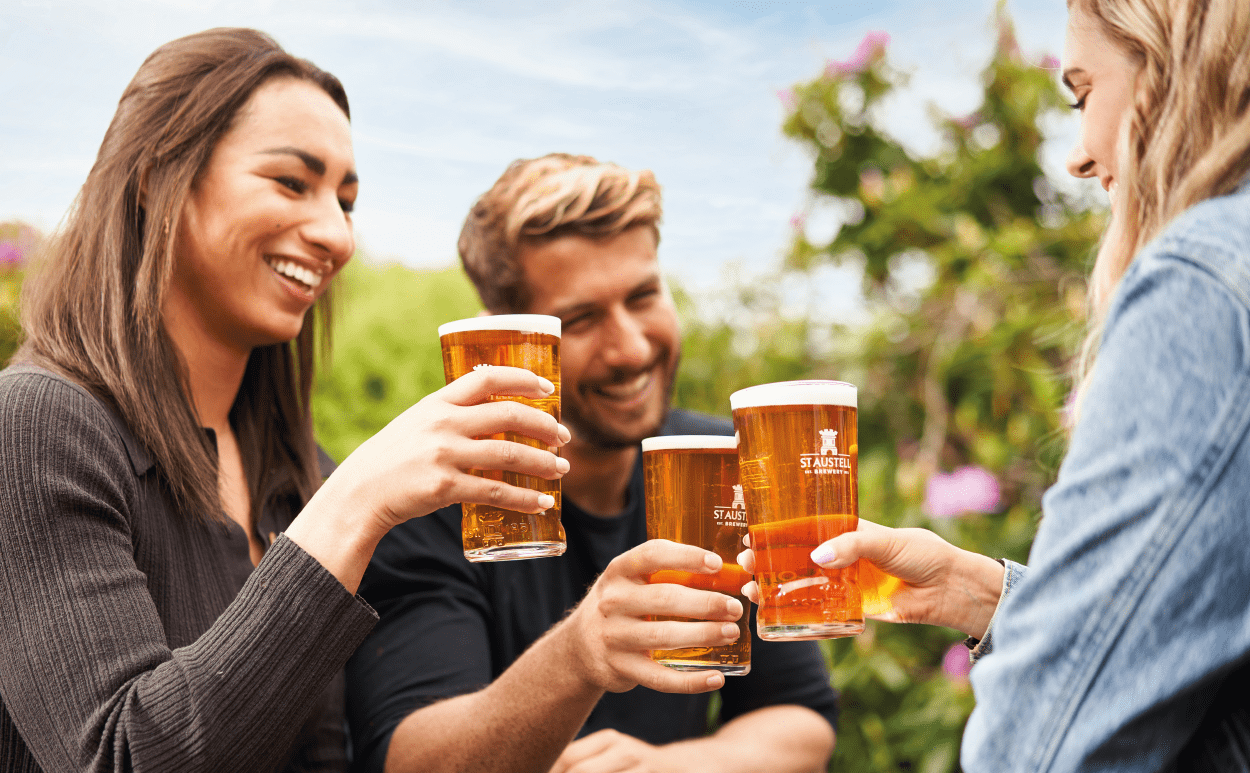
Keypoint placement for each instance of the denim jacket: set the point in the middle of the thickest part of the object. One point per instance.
(1110, 649)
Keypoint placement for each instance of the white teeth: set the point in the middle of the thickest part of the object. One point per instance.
(297, 272)
(627, 389)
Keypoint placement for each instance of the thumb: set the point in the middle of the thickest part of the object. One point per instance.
(869, 540)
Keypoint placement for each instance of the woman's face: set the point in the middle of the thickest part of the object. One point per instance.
(267, 224)
(1102, 78)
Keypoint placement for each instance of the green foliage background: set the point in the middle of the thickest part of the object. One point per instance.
(973, 282)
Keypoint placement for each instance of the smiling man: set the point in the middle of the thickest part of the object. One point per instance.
(543, 664)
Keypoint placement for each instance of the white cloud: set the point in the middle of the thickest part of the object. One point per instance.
(444, 95)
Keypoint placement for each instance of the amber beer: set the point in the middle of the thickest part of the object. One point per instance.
(532, 342)
(693, 497)
(798, 453)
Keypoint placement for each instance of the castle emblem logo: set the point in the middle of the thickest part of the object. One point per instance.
(826, 460)
(735, 514)
(481, 365)
(828, 442)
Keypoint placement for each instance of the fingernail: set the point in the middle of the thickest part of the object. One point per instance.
(715, 680)
(733, 607)
(546, 501)
(712, 561)
(729, 631)
(562, 465)
(824, 554)
(546, 385)
(563, 433)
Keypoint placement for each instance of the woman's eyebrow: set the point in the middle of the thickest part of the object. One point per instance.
(314, 164)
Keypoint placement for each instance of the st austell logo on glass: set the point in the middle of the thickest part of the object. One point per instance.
(735, 514)
(826, 460)
(481, 365)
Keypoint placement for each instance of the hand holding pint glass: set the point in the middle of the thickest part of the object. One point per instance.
(798, 456)
(693, 498)
(532, 342)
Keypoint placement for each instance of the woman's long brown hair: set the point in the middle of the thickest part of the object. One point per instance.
(92, 311)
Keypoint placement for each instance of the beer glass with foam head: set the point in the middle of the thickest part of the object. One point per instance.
(532, 342)
(693, 497)
(798, 457)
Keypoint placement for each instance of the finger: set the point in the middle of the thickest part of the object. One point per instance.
(671, 600)
(483, 491)
(654, 555)
(511, 457)
(478, 386)
(869, 540)
(583, 749)
(608, 761)
(746, 559)
(647, 635)
(746, 539)
(752, 591)
(509, 416)
(647, 673)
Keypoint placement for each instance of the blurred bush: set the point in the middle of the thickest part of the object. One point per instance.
(385, 354)
(973, 271)
(17, 242)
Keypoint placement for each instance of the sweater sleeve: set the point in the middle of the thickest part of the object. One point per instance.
(86, 673)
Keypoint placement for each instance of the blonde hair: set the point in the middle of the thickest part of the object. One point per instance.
(541, 199)
(1189, 133)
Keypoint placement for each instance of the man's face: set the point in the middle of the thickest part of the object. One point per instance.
(620, 342)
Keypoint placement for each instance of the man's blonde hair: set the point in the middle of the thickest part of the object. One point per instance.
(541, 199)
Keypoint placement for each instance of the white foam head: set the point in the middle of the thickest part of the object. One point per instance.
(796, 393)
(522, 323)
(689, 442)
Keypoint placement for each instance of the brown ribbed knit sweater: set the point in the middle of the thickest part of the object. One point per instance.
(137, 638)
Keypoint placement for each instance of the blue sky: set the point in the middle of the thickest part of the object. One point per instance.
(445, 94)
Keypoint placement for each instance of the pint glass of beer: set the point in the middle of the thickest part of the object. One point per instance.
(693, 497)
(532, 342)
(798, 456)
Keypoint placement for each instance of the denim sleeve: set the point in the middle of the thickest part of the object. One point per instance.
(1135, 603)
(1012, 574)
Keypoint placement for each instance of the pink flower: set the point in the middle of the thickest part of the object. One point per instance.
(956, 663)
(798, 220)
(970, 121)
(10, 254)
(1049, 63)
(788, 99)
(966, 490)
(872, 46)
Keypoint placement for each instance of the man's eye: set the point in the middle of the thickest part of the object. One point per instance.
(294, 183)
(347, 206)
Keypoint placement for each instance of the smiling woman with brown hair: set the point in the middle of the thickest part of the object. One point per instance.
(178, 582)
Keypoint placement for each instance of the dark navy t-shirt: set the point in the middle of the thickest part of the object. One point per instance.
(450, 627)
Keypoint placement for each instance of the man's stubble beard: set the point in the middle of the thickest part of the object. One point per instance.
(604, 439)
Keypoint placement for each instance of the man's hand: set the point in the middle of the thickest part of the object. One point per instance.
(610, 751)
(609, 635)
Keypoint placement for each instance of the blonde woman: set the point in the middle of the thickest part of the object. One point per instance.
(1124, 646)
